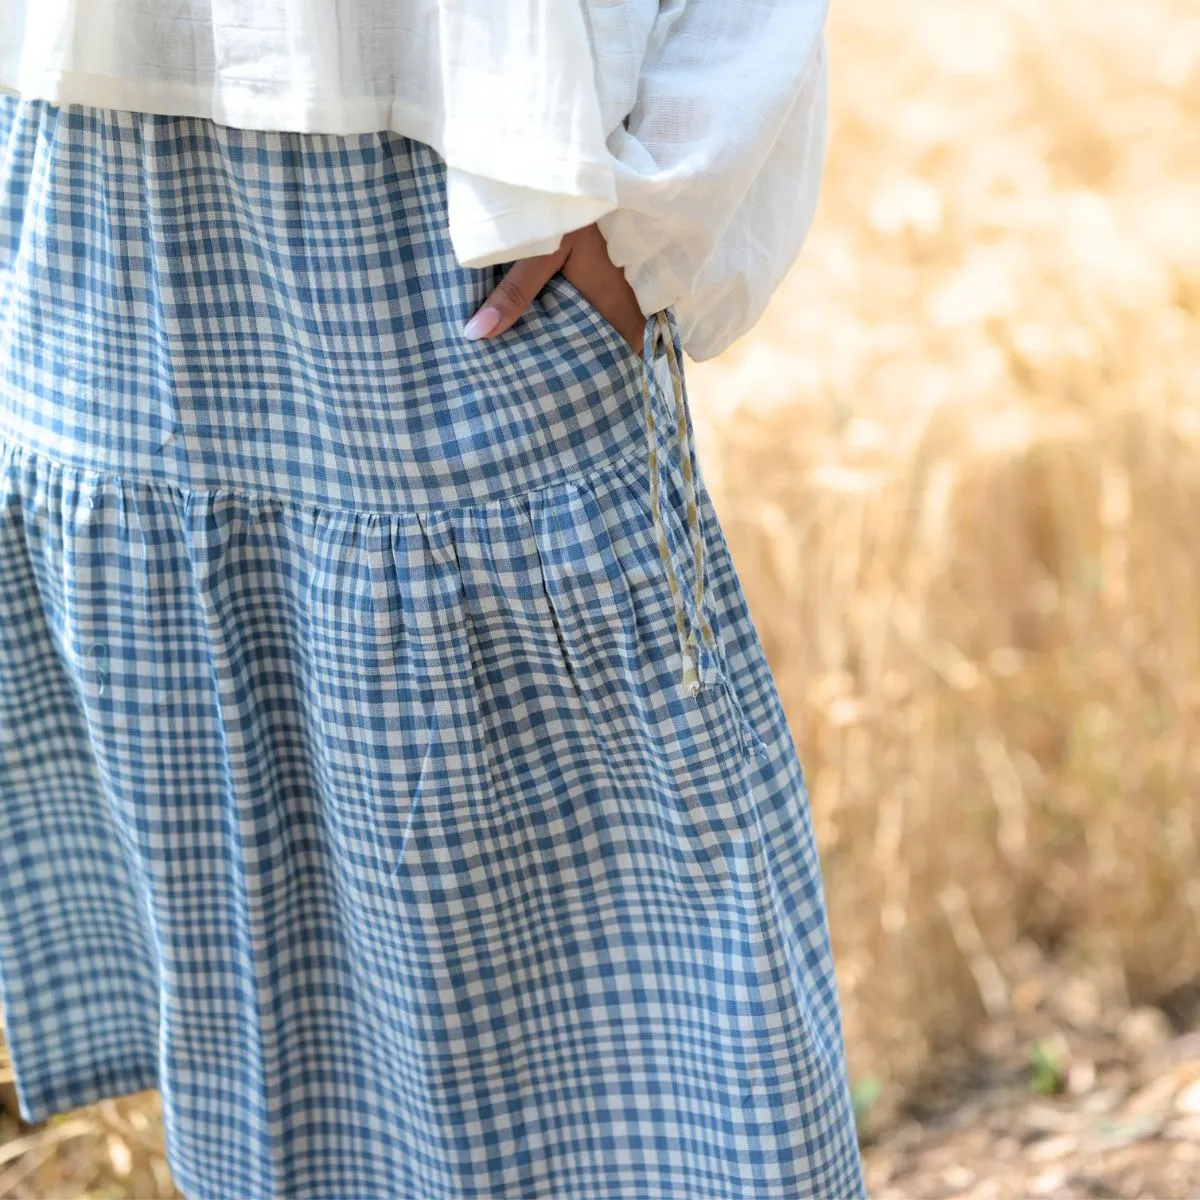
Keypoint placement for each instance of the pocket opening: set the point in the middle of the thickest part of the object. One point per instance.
(574, 300)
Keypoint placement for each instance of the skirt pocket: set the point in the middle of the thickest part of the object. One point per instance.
(688, 757)
(586, 318)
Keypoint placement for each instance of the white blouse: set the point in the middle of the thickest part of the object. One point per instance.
(692, 131)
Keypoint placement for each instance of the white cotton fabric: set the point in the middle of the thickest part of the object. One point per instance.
(692, 131)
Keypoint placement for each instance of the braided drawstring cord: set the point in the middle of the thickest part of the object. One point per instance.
(658, 330)
(698, 647)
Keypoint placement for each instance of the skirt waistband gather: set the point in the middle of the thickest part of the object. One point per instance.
(279, 313)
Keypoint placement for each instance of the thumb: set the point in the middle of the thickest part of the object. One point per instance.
(514, 293)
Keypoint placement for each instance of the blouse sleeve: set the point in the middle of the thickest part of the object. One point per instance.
(720, 161)
(706, 190)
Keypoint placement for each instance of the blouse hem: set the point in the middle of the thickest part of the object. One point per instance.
(506, 159)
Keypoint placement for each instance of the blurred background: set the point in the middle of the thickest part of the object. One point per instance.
(958, 463)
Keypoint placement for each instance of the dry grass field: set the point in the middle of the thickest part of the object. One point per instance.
(959, 466)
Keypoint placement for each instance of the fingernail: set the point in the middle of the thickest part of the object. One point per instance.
(482, 323)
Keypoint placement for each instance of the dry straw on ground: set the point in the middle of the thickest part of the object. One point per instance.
(959, 465)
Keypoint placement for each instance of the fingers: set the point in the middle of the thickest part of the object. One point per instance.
(513, 294)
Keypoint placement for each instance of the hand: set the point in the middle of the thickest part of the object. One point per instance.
(583, 259)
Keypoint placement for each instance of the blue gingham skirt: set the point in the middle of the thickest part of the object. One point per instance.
(352, 792)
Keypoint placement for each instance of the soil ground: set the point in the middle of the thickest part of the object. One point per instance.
(1064, 1098)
